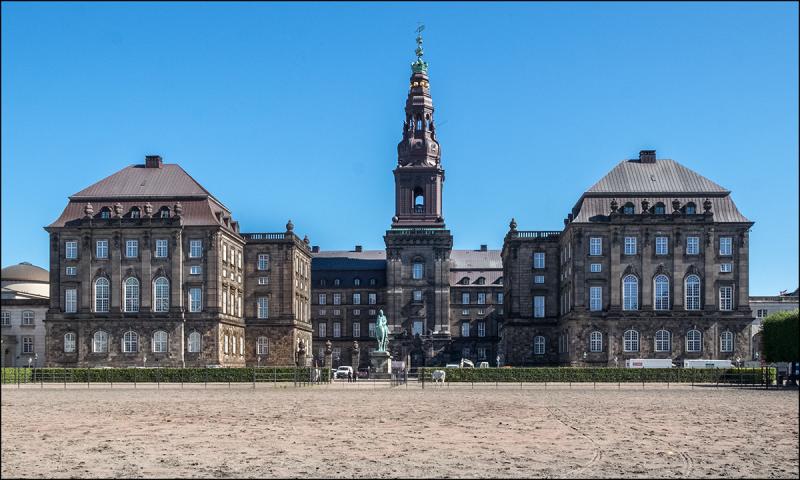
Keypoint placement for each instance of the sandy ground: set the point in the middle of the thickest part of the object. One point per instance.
(365, 431)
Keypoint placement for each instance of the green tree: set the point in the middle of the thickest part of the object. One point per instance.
(781, 337)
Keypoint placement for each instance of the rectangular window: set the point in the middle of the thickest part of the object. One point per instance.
(337, 311)
(263, 280)
(323, 298)
(418, 270)
(481, 353)
(538, 306)
(27, 317)
(356, 312)
(6, 319)
(27, 344)
(225, 345)
(371, 330)
(195, 270)
(263, 307)
(761, 313)
(596, 268)
(662, 247)
(373, 298)
(465, 329)
(630, 245)
(322, 312)
(72, 271)
(356, 329)
(101, 249)
(725, 267)
(595, 246)
(595, 299)
(337, 298)
(500, 298)
(465, 298)
(161, 248)
(372, 313)
(71, 300)
(538, 260)
(195, 300)
(337, 329)
(263, 261)
(225, 253)
(356, 299)
(416, 327)
(481, 329)
(132, 248)
(692, 245)
(726, 246)
(322, 329)
(481, 298)
(465, 311)
(538, 279)
(417, 295)
(726, 298)
(72, 249)
(195, 248)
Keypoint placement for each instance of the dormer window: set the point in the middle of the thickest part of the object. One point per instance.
(135, 213)
(105, 212)
(464, 281)
(356, 282)
(322, 282)
(336, 282)
(481, 281)
(164, 212)
(691, 208)
(659, 209)
(372, 282)
(627, 209)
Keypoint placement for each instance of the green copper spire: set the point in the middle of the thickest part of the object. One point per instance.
(420, 66)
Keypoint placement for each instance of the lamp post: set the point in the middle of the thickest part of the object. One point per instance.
(36, 359)
(584, 358)
(258, 361)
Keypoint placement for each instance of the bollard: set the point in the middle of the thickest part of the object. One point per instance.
(206, 381)
(65, 378)
(134, 377)
(274, 376)
(254, 378)
(88, 376)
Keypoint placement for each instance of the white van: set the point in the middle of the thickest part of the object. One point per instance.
(707, 364)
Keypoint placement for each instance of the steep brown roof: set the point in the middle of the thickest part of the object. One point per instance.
(661, 176)
(138, 181)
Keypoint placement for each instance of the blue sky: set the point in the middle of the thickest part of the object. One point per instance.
(295, 110)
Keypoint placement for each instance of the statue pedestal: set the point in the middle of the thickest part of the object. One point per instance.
(380, 365)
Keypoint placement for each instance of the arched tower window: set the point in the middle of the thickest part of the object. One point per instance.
(101, 292)
(692, 293)
(131, 294)
(419, 200)
(630, 293)
(661, 292)
(161, 295)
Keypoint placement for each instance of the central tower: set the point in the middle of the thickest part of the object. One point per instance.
(419, 176)
(418, 245)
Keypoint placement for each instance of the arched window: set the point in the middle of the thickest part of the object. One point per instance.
(100, 342)
(372, 281)
(322, 282)
(627, 209)
(105, 212)
(659, 209)
(69, 342)
(726, 342)
(630, 293)
(101, 293)
(694, 341)
(630, 341)
(135, 213)
(161, 295)
(130, 342)
(538, 345)
(419, 200)
(661, 292)
(194, 342)
(663, 342)
(262, 346)
(163, 212)
(131, 293)
(692, 293)
(336, 282)
(691, 208)
(596, 342)
(480, 281)
(160, 344)
(356, 282)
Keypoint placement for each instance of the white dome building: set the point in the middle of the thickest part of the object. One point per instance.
(24, 301)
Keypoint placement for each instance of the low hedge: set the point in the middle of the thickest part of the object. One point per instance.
(164, 375)
(613, 375)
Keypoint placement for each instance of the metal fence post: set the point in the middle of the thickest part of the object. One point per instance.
(254, 378)
(134, 377)
(88, 376)
(274, 376)
(65, 378)
(206, 376)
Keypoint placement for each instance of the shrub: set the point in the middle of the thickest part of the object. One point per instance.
(781, 337)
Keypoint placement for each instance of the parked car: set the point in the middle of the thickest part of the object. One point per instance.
(342, 372)
(363, 373)
(483, 365)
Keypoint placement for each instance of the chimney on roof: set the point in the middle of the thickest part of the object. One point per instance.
(359, 248)
(483, 247)
(647, 156)
(315, 249)
(152, 161)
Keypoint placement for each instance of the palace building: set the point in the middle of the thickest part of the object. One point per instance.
(149, 268)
